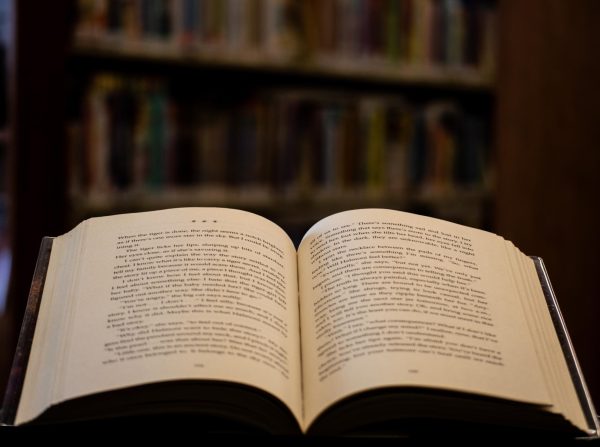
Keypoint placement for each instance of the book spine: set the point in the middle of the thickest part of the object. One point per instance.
(384, 33)
(137, 135)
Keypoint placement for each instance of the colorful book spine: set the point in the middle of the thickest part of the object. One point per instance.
(385, 33)
(136, 134)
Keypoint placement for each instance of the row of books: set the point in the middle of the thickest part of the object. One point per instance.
(135, 134)
(392, 32)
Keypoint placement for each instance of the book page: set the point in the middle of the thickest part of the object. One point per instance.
(550, 352)
(204, 293)
(389, 298)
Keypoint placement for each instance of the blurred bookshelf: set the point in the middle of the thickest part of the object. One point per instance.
(290, 109)
(374, 70)
(448, 42)
(490, 133)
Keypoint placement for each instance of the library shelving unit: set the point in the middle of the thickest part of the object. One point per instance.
(294, 110)
(291, 109)
(537, 110)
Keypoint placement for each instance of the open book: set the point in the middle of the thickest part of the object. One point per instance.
(379, 319)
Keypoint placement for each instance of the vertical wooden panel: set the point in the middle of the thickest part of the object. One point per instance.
(549, 153)
(37, 148)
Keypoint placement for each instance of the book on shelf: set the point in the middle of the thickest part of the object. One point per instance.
(381, 320)
(136, 135)
(363, 36)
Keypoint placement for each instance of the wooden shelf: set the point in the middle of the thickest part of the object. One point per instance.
(295, 207)
(363, 70)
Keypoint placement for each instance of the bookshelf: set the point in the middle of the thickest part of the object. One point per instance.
(539, 103)
(276, 106)
(457, 76)
(47, 186)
